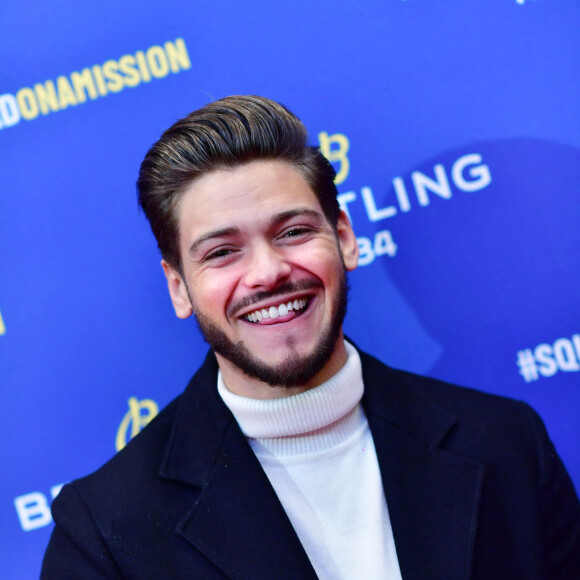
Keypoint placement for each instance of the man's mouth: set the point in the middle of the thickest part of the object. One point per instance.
(293, 307)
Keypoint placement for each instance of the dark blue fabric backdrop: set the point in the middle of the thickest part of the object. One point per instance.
(455, 128)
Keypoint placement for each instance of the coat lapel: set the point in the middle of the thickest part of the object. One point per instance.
(432, 495)
(237, 521)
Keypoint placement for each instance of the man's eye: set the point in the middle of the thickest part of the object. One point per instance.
(295, 232)
(222, 253)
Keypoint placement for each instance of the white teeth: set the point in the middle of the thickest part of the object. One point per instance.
(275, 312)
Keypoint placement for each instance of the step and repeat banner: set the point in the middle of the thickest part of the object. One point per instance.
(455, 131)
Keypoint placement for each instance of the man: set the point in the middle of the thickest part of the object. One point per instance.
(291, 454)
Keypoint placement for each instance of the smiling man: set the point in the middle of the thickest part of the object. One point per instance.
(292, 454)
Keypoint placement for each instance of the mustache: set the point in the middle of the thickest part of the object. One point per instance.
(285, 288)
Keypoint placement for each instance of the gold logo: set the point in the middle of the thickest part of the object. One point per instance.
(139, 414)
(336, 154)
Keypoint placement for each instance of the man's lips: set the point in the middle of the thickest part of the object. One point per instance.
(281, 312)
(285, 293)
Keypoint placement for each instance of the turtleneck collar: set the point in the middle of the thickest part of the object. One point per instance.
(311, 421)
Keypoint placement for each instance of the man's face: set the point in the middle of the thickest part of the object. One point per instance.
(264, 273)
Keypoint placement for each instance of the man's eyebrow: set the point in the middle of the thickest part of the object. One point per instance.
(297, 212)
(223, 233)
(274, 221)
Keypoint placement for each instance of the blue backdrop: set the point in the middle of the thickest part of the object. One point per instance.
(455, 129)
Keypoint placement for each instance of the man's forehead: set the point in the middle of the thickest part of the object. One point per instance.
(263, 193)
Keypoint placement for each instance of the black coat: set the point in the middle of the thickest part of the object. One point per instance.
(473, 486)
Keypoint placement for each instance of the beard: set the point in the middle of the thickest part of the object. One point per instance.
(295, 369)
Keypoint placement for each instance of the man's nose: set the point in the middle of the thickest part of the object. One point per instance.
(267, 267)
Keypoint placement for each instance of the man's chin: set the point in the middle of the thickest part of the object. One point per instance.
(275, 356)
(290, 370)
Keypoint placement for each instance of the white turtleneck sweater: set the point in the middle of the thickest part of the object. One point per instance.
(318, 453)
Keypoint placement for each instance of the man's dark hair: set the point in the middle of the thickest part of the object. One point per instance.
(222, 135)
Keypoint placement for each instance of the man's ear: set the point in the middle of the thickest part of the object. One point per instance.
(347, 242)
(177, 291)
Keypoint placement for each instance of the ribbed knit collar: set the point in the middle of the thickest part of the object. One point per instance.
(308, 422)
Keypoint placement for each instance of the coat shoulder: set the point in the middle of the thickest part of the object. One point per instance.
(465, 404)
